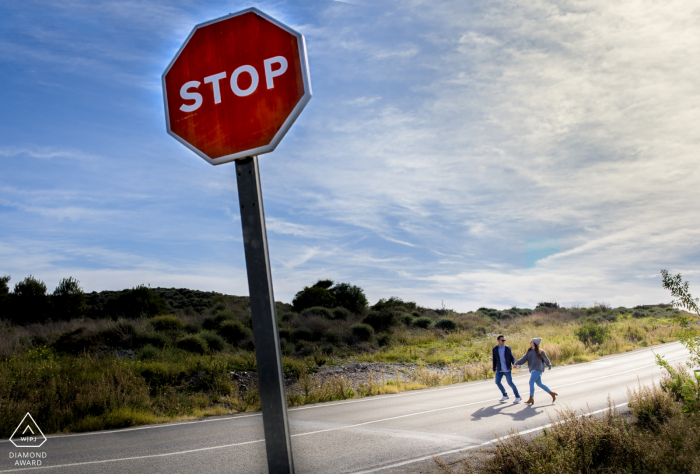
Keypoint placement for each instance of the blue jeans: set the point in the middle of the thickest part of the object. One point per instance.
(509, 379)
(536, 378)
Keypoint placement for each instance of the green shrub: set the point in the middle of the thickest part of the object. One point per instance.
(319, 311)
(305, 349)
(328, 349)
(214, 341)
(233, 332)
(311, 297)
(77, 341)
(288, 316)
(350, 297)
(340, 314)
(193, 343)
(29, 302)
(394, 302)
(121, 334)
(652, 407)
(136, 302)
(213, 323)
(285, 334)
(385, 340)
(415, 314)
(332, 337)
(381, 320)
(167, 323)
(156, 339)
(147, 352)
(302, 334)
(191, 328)
(68, 300)
(422, 322)
(407, 319)
(592, 333)
(446, 324)
(362, 332)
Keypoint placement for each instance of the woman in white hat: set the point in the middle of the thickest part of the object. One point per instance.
(536, 360)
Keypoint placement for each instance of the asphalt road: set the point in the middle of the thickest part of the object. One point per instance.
(388, 433)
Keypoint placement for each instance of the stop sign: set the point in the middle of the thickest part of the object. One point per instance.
(236, 86)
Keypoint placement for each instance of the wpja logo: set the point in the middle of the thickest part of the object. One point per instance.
(28, 435)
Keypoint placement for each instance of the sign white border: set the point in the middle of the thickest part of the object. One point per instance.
(287, 123)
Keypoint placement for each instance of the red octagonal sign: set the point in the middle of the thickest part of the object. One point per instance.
(236, 86)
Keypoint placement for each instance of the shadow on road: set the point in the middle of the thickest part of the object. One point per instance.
(516, 412)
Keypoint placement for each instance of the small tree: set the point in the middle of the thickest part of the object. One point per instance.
(350, 297)
(68, 300)
(4, 297)
(689, 336)
(313, 296)
(29, 301)
(136, 302)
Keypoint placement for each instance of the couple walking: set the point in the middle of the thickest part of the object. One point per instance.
(503, 362)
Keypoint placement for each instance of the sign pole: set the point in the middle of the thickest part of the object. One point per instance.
(262, 309)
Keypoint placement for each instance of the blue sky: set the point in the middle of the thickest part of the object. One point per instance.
(473, 153)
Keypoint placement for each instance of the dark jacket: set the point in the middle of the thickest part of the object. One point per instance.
(497, 359)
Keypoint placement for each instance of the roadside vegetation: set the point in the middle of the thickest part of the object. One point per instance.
(93, 361)
(659, 434)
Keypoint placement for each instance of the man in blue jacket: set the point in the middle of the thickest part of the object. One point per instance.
(502, 364)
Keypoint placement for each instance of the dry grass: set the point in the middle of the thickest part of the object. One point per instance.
(657, 438)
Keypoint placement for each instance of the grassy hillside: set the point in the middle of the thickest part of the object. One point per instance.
(109, 371)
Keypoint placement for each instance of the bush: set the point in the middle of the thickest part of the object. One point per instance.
(328, 349)
(136, 302)
(592, 333)
(446, 324)
(214, 341)
(652, 407)
(302, 334)
(422, 322)
(319, 311)
(385, 340)
(312, 296)
(394, 302)
(340, 314)
(233, 332)
(381, 320)
(30, 304)
(167, 323)
(213, 323)
(332, 337)
(350, 297)
(191, 328)
(156, 339)
(147, 352)
(406, 318)
(363, 332)
(193, 343)
(76, 341)
(120, 334)
(68, 300)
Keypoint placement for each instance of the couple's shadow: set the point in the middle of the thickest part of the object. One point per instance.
(525, 412)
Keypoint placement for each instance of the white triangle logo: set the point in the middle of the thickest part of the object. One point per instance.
(25, 436)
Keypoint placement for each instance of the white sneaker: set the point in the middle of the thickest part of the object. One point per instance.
(517, 400)
(505, 397)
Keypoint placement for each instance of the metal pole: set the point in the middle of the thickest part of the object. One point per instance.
(262, 309)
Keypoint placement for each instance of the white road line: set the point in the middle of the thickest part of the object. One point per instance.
(325, 431)
(344, 402)
(486, 443)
